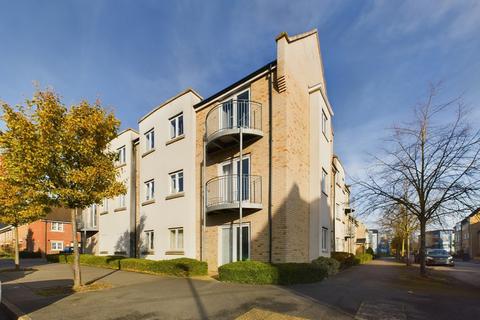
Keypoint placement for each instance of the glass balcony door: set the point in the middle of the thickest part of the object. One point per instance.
(230, 243)
(231, 183)
(235, 112)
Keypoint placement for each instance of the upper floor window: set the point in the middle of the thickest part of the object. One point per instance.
(176, 126)
(57, 226)
(150, 139)
(176, 182)
(122, 155)
(324, 181)
(149, 190)
(93, 215)
(105, 205)
(324, 123)
(122, 201)
(337, 211)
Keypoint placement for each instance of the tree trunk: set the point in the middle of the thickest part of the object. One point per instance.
(408, 249)
(77, 281)
(423, 269)
(403, 247)
(17, 251)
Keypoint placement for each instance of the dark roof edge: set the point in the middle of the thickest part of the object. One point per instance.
(239, 82)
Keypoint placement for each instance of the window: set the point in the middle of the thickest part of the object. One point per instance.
(324, 123)
(149, 190)
(122, 155)
(176, 239)
(93, 216)
(149, 240)
(105, 205)
(56, 245)
(324, 181)
(176, 126)
(324, 239)
(57, 226)
(337, 211)
(150, 137)
(121, 201)
(176, 182)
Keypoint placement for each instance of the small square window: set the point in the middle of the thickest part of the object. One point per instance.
(57, 226)
(176, 126)
(56, 245)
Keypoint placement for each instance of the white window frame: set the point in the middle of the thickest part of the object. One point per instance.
(174, 182)
(175, 127)
(324, 239)
(150, 240)
(56, 245)
(324, 181)
(150, 190)
(105, 205)
(176, 239)
(122, 155)
(150, 140)
(122, 201)
(324, 123)
(56, 226)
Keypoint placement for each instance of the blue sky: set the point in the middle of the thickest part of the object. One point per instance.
(379, 56)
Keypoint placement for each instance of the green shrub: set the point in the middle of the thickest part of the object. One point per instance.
(364, 257)
(255, 272)
(30, 255)
(331, 265)
(178, 267)
(346, 259)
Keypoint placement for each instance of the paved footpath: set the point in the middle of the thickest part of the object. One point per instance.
(382, 289)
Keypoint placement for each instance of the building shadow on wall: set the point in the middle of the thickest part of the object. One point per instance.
(130, 242)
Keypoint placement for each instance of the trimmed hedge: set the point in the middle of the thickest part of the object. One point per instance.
(256, 272)
(364, 257)
(331, 265)
(346, 259)
(30, 255)
(181, 267)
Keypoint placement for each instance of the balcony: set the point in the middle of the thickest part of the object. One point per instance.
(86, 222)
(223, 194)
(224, 121)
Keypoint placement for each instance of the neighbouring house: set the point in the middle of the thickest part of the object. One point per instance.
(440, 239)
(49, 235)
(467, 236)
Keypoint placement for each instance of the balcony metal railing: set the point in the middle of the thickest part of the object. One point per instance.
(234, 114)
(225, 190)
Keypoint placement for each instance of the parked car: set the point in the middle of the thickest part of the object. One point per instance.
(439, 257)
(67, 250)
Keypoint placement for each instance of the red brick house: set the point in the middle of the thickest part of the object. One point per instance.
(49, 235)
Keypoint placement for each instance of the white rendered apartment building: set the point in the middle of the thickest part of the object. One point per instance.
(109, 228)
(166, 224)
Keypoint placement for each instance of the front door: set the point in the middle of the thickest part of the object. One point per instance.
(230, 243)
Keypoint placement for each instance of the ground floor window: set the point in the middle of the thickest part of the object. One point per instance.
(176, 238)
(324, 239)
(149, 240)
(230, 243)
(56, 245)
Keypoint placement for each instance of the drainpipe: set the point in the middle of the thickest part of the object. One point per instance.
(270, 126)
(334, 205)
(204, 207)
(240, 200)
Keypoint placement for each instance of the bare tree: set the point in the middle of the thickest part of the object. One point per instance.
(430, 166)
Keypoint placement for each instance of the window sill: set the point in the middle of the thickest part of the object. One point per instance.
(56, 230)
(174, 253)
(118, 166)
(120, 209)
(175, 139)
(175, 195)
(148, 152)
(103, 213)
(146, 203)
